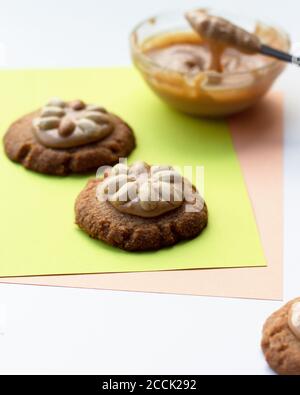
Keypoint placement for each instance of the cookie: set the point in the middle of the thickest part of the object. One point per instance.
(281, 339)
(134, 223)
(68, 137)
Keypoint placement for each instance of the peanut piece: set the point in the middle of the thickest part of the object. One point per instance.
(126, 193)
(66, 127)
(56, 102)
(95, 107)
(48, 123)
(158, 168)
(50, 111)
(87, 126)
(97, 117)
(170, 176)
(112, 184)
(120, 168)
(77, 105)
(138, 168)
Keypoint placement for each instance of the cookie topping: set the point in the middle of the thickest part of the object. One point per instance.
(95, 107)
(47, 123)
(77, 105)
(143, 190)
(96, 116)
(54, 111)
(294, 319)
(56, 102)
(66, 125)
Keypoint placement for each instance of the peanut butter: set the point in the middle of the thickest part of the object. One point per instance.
(201, 77)
(220, 34)
(67, 125)
(145, 191)
(220, 30)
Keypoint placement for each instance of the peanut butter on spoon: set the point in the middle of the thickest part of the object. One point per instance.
(220, 34)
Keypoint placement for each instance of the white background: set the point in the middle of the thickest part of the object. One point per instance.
(52, 330)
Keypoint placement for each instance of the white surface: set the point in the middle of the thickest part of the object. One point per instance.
(52, 330)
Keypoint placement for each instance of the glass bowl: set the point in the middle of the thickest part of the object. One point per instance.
(208, 93)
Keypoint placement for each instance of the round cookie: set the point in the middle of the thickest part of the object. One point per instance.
(280, 345)
(103, 221)
(22, 145)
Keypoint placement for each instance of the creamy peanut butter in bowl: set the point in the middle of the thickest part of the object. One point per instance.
(200, 76)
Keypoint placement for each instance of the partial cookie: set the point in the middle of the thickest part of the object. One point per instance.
(134, 222)
(281, 339)
(73, 137)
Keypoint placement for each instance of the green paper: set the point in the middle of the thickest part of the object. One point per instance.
(38, 234)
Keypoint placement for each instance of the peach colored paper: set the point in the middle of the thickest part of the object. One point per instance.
(258, 139)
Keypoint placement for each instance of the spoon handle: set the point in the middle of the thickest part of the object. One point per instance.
(275, 53)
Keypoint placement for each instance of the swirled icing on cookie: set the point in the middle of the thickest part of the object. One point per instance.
(144, 190)
(71, 124)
